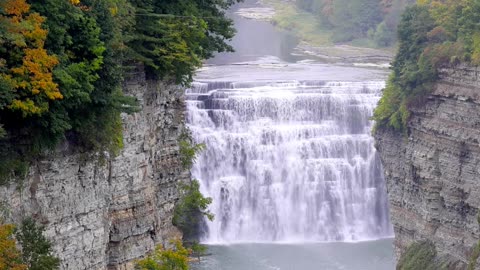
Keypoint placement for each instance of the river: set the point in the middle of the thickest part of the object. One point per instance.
(290, 163)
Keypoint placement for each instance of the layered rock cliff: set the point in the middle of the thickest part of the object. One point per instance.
(433, 173)
(104, 214)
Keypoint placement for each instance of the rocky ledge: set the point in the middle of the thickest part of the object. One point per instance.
(433, 174)
(104, 214)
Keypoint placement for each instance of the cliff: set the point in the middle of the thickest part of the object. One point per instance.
(103, 214)
(433, 174)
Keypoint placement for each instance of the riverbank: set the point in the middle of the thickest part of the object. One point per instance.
(316, 41)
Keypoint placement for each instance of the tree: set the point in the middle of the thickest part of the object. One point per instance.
(27, 67)
(191, 210)
(175, 258)
(172, 37)
(62, 64)
(383, 37)
(10, 256)
(189, 151)
(411, 72)
(89, 39)
(198, 249)
(36, 249)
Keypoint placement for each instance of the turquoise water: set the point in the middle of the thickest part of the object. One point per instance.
(374, 255)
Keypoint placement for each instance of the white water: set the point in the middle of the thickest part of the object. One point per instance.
(289, 161)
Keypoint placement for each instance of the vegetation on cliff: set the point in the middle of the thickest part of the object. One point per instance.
(175, 258)
(35, 251)
(10, 256)
(431, 34)
(191, 210)
(189, 217)
(419, 256)
(62, 63)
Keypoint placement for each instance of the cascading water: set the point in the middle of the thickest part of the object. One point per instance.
(289, 161)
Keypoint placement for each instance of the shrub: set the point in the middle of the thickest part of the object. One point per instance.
(418, 256)
(175, 258)
(188, 149)
(190, 210)
(36, 249)
(383, 36)
(198, 249)
(10, 256)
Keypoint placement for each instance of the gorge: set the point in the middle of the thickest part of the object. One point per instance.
(300, 176)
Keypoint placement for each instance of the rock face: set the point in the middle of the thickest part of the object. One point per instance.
(103, 215)
(433, 175)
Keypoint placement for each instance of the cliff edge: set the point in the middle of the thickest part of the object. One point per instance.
(103, 214)
(433, 174)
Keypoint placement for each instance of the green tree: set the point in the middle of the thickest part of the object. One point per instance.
(189, 151)
(383, 37)
(172, 37)
(36, 249)
(411, 73)
(190, 210)
(198, 249)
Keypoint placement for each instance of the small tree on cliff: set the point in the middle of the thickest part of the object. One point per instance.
(10, 256)
(36, 249)
(190, 210)
(175, 258)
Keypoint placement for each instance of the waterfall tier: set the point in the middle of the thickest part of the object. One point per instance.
(289, 161)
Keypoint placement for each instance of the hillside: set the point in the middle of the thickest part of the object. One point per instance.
(427, 134)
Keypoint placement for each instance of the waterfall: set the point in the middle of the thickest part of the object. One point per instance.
(289, 161)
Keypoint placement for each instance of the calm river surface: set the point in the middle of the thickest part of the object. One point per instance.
(376, 255)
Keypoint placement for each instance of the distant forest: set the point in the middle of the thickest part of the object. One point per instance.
(376, 20)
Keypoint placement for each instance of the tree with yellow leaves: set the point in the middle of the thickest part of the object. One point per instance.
(10, 256)
(166, 259)
(27, 67)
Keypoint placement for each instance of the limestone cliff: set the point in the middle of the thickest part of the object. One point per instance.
(433, 174)
(102, 215)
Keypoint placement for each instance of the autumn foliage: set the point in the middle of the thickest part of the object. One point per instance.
(29, 70)
(63, 62)
(175, 258)
(26, 247)
(10, 256)
(432, 34)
